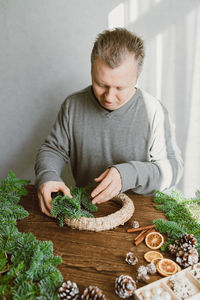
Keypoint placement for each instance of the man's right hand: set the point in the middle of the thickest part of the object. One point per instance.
(44, 194)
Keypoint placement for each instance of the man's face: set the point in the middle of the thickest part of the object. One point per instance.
(114, 87)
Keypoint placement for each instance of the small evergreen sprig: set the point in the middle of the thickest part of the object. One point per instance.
(180, 214)
(28, 268)
(77, 206)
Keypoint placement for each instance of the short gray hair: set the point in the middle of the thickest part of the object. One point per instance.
(113, 45)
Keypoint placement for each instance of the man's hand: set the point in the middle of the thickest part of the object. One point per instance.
(110, 186)
(44, 194)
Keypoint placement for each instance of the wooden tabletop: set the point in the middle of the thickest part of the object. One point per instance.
(92, 258)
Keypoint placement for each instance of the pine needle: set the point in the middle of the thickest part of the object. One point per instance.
(183, 216)
(73, 208)
(28, 267)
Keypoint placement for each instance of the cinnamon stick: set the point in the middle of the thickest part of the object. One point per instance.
(142, 237)
(140, 228)
(141, 233)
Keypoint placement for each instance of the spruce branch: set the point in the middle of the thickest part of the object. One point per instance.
(87, 204)
(25, 263)
(183, 216)
(172, 229)
(197, 194)
(73, 208)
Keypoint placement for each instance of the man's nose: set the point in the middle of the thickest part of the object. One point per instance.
(110, 93)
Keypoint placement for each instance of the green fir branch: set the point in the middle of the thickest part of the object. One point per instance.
(181, 216)
(87, 204)
(28, 266)
(12, 188)
(172, 229)
(166, 244)
(76, 207)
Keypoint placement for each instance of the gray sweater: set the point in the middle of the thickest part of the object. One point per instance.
(138, 139)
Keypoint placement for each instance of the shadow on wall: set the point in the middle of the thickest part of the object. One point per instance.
(22, 161)
(170, 63)
(169, 29)
(44, 55)
(23, 158)
(148, 24)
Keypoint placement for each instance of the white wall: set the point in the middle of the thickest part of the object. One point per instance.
(45, 55)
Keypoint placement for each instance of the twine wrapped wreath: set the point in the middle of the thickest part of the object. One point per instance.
(108, 222)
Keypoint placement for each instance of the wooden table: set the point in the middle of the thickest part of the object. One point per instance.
(91, 258)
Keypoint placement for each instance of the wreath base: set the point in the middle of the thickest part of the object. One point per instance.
(108, 222)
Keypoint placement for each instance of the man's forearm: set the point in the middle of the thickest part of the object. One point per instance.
(146, 177)
(48, 167)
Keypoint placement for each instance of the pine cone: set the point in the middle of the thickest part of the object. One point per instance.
(151, 268)
(181, 252)
(193, 257)
(68, 290)
(131, 259)
(135, 224)
(188, 258)
(143, 278)
(125, 286)
(173, 248)
(188, 239)
(93, 293)
(185, 250)
(142, 270)
(142, 274)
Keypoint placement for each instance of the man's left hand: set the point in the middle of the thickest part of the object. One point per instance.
(110, 185)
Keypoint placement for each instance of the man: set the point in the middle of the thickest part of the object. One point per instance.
(113, 133)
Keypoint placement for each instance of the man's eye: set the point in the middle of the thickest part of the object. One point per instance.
(100, 85)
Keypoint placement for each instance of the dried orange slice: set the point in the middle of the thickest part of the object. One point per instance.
(155, 261)
(154, 240)
(151, 255)
(166, 267)
(178, 268)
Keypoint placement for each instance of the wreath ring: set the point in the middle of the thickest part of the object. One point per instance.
(108, 222)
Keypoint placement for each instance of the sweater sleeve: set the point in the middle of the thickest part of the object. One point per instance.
(164, 168)
(55, 152)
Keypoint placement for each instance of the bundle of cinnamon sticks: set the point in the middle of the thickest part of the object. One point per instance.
(143, 233)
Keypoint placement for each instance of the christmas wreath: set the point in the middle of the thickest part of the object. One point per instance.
(76, 212)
